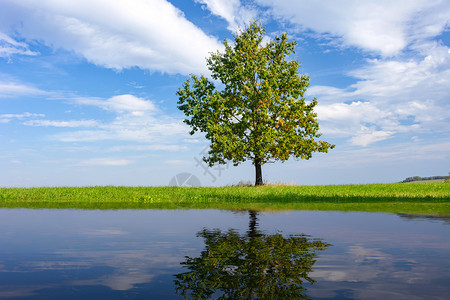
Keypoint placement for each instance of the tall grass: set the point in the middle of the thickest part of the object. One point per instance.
(420, 198)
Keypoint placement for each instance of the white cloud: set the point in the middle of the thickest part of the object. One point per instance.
(382, 26)
(71, 123)
(178, 162)
(6, 118)
(355, 112)
(137, 120)
(414, 91)
(120, 104)
(152, 35)
(143, 130)
(9, 46)
(13, 89)
(232, 11)
(371, 137)
(366, 122)
(359, 120)
(103, 232)
(105, 162)
(152, 147)
(406, 79)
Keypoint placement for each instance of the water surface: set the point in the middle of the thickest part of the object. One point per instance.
(142, 254)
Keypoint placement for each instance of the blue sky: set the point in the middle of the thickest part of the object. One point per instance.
(88, 88)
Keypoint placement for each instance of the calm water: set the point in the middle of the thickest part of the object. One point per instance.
(159, 254)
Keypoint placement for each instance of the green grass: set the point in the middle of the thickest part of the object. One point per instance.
(429, 198)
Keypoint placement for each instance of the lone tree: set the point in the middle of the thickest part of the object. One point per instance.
(261, 113)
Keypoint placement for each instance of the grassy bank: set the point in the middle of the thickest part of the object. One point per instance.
(429, 198)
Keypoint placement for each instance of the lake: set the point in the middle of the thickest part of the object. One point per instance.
(165, 254)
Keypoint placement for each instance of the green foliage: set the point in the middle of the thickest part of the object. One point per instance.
(261, 114)
(414, 178)
(434, 178)
(249, 266)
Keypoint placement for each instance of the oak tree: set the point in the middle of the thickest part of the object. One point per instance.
(260, 114)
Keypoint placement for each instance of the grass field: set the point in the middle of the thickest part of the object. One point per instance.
(427, 198)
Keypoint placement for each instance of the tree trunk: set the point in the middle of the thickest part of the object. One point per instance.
(258, 170)
(253, 225)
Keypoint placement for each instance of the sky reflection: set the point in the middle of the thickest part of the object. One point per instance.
(136, 253)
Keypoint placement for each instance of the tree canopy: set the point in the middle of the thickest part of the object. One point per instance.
(261, 113)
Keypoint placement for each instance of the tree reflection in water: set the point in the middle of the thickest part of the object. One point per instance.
(249, 266)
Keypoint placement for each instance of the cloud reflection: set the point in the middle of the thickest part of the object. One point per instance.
(373, 273)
